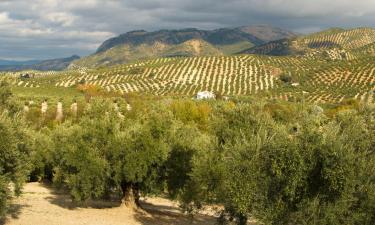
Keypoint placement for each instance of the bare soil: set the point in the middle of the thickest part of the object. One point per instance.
(42, 205)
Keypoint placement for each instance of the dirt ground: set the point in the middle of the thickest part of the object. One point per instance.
(42, 205)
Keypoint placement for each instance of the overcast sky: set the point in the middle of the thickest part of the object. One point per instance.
(41, 29)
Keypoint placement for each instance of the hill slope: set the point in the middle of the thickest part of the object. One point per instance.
(194, 47)
(268, 33)
(330, 39)
(314, 79)
(129, 53)
(138, 45)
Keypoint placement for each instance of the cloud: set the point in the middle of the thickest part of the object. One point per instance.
(56, 28)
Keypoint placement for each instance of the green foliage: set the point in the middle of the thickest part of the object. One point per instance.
(94, 156)
(187, 143)
(311, 174)
(286, 78)
(140, 151)
(81, 168)
(135, 71)
(277, 162)
(5, 93)
(188, 111)
(13, 154)
(42, 155)
(4, 192)
(6, 98)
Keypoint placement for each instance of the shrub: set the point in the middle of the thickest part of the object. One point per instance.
(286, 78)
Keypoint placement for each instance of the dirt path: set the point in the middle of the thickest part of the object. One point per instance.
(41, 205)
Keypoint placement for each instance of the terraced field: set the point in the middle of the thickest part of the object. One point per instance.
(335, 43)
(347, 39)
(355, 79)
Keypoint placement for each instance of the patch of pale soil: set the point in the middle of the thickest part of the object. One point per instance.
(197, 45)
(41, 205)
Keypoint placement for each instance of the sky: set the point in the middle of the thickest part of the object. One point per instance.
(43, 29)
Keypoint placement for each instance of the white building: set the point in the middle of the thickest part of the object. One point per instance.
(205, 95)
(295, 84)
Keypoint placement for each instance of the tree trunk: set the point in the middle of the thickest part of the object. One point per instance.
(130, 195)
(137, 195)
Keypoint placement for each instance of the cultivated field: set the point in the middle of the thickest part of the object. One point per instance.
(316, 80)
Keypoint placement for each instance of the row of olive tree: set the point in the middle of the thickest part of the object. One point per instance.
(276, 162)
(308, 170)
(102, 153)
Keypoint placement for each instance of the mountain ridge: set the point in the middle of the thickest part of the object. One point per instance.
(333, 38)
(141, 44)
(42, 65)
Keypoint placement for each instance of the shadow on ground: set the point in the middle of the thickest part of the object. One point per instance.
(14, 210)
(150, 214)
(168, 215)
(63, 199)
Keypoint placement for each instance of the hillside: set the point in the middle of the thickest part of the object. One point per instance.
(313, 77)
(223, 36)
(268, 33)
(141, 44)
(44, 65)
(193, 47)
(128, 53)
(336, 38)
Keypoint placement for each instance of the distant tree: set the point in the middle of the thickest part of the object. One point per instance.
(136, 70)
(5, 93)
(219, 96)
(82, 81)
(7, 102)
(286, 78)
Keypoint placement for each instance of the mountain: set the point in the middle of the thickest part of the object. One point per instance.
(225, 36)
(193, 47)
(45, 65)
(140, 44)
(268, 33)
(335, 38)
(55, 64)
(17, 63)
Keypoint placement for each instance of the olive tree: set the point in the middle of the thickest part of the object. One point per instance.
(104, 152)
(309, 171)
(138, 154)
(13, 154)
